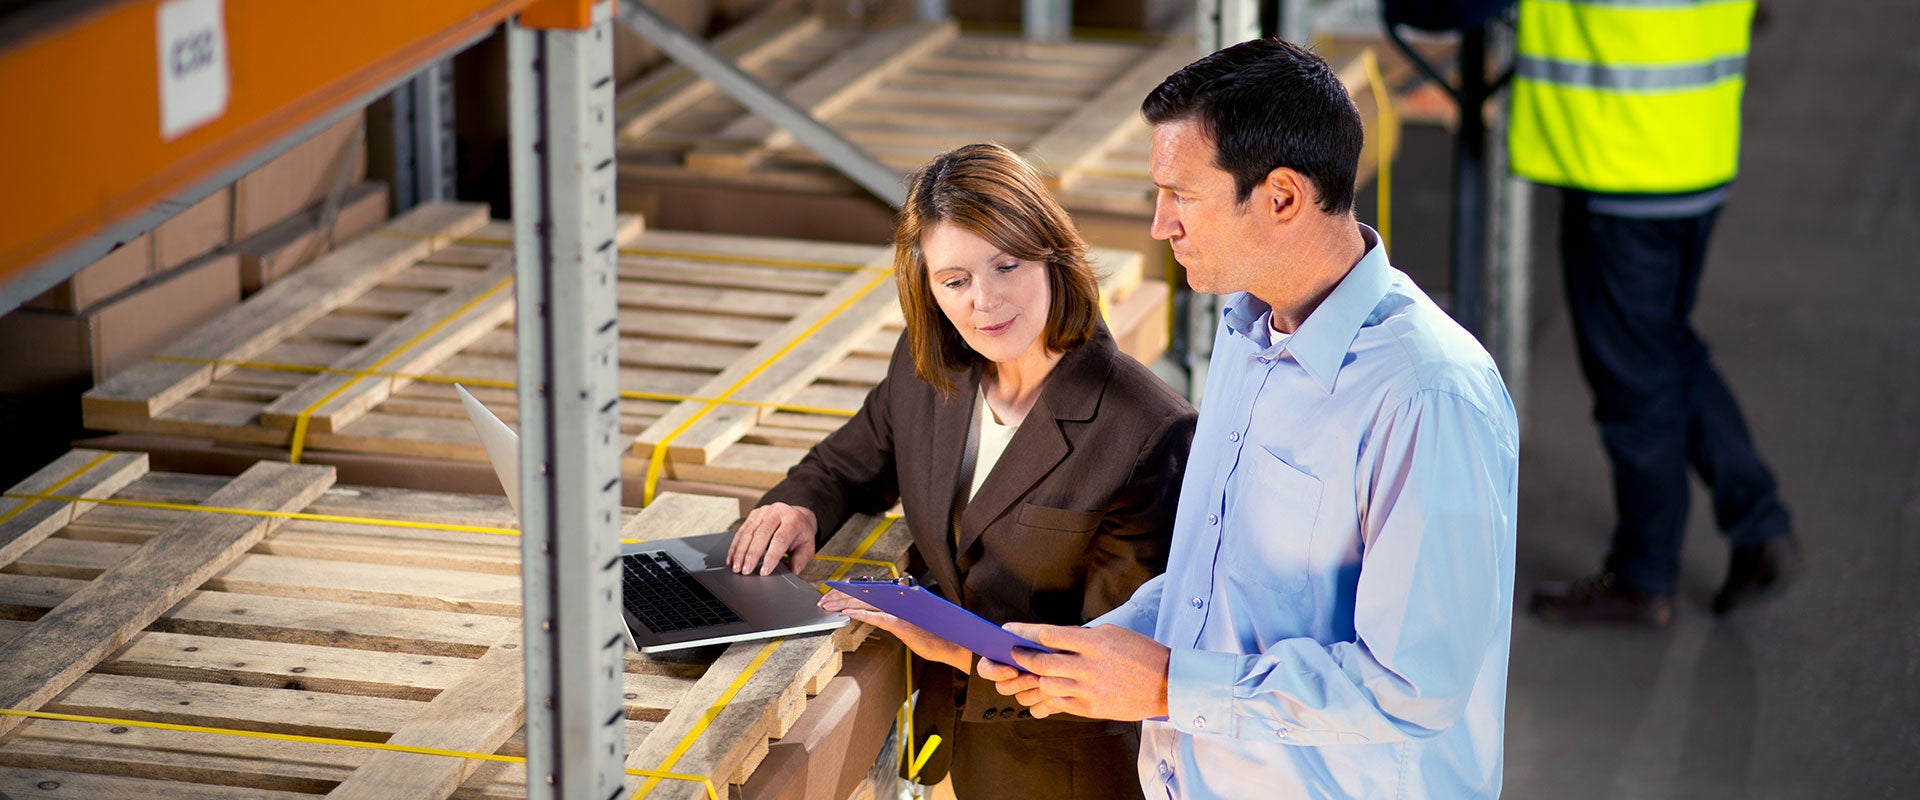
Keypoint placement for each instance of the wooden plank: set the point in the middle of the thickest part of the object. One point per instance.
(478, 715)
(79, 473)
(247, 708)
(128, 596)
(413, 345)
(839, 320)
(280, 619)
(284, 307)
(823, 93)
(1109, 117)
(672, 89)
(185, 759)
(52, 784)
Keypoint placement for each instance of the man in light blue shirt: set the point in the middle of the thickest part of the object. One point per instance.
(1334, 620)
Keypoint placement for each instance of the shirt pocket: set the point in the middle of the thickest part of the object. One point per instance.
(1270, 524)
(1059, 520)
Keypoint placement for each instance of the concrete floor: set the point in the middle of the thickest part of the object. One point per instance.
(1808, 306)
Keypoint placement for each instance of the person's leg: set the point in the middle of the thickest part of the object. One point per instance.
(1626, 286)
(1746, 501)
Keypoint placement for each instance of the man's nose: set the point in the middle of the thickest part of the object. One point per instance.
(1166, 223)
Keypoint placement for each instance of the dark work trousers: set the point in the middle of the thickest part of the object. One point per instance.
(1661, 406)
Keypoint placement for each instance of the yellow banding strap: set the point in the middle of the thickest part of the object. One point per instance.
(655, 775)
(300, 422)
(659, 456)
(491, 383)
(1383, 150)
(48, 494)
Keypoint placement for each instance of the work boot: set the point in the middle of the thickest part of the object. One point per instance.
(1759, 572)
(1600, 599)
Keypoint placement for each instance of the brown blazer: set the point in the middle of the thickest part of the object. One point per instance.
(1077, 513)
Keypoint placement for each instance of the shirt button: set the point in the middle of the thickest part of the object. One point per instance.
(1165, 771)
(1200, 722)
(1196, 602)
(1283, 732)
(1233, 436)
(1213, 519)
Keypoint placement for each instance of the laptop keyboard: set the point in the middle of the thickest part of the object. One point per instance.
(661, 594)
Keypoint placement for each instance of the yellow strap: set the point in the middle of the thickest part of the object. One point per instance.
(659, 456)
(32, 499)
(294, 737)
(490, 383)
(300, 422)
(1383, 149)
(712, 713)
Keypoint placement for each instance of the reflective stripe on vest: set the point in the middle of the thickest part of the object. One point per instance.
(1635, 96)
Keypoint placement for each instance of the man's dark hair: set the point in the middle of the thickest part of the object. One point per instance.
(1269, 104)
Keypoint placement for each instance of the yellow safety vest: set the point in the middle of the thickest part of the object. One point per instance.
(1629, 95)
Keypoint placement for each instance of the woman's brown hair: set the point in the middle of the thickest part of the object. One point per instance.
(995, 194)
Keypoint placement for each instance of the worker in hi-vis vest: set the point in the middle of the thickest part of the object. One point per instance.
(1632, 107)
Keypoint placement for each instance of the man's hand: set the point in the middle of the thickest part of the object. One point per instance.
(1107, 672)
(769, 532)
(917, 639)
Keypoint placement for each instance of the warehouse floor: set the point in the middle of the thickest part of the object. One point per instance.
(1808, 306)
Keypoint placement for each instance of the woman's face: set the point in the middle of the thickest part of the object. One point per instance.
(996, 301)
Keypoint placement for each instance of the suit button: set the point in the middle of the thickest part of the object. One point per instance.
(1025, 714)
(1006, 713)
(991, 713)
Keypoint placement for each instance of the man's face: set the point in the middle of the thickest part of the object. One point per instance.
(1195, 212)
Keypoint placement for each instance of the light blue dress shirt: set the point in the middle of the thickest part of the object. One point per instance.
(1340, 593)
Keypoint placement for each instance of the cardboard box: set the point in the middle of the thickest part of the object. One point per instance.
(300, 177)
(200, 229)
(273, 253)
(115, 272)
(47, 351)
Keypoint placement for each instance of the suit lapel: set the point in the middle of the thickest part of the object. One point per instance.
(934, 536)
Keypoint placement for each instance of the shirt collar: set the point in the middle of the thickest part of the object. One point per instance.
(1321, 343)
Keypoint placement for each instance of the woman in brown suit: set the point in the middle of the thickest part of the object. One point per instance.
(1037, 466)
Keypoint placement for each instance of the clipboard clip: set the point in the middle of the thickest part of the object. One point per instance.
(903, 580)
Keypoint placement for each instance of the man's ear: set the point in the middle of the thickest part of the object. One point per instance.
(1287, 194)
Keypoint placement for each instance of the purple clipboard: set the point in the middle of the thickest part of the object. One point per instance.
(939, 617)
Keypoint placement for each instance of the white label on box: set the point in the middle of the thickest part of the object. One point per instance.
(193, 65)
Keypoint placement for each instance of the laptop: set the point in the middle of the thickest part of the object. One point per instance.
(678, 593)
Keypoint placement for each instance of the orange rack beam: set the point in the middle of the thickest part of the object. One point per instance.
(82, 145)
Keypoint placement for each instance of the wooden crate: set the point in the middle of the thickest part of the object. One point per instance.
(691, 157)
(347, 630)
(365, 343)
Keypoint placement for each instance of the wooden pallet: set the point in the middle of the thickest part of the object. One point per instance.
(428, 301)
(692, 306)
(817, 388)
(906, 93)
(341, 630)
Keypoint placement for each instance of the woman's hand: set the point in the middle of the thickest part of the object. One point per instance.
(769, 532)
(922, 643)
